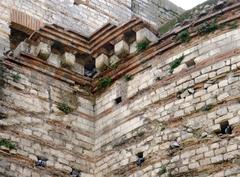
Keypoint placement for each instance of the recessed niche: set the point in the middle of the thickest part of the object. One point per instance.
(140, 159)
(130, 36)
(16, 37)
(190, 63)
(118, 100)
(225, 128)
(57, 47)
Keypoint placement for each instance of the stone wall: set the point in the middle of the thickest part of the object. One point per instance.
(181, 121)
(187, 108)
(32, 118)
(154, 12)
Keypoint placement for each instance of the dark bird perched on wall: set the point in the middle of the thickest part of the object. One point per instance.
(41, 162)
(75, 173)
(140, 161)
(228, 130)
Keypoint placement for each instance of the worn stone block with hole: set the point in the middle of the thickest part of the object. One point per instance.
(102, 62)
(121, 49)
(113, 60)
(54, 60)
(43, 50)
(146, 35)
(68, 59)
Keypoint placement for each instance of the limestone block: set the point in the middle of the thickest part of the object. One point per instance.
(102, 62)
(43, 50)
(22, 47)
(68, 59)
(113, 60)
(121, 49)
(146, 35)
(133, 47)
(78, 68)
(33, 50)
(54, 60)
(180, 68)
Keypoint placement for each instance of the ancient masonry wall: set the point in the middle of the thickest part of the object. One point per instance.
(29, 100)
(82, 16)
(187, 108)
(174, 119)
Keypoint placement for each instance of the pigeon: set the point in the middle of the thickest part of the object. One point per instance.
(228, 130)
(140, 161)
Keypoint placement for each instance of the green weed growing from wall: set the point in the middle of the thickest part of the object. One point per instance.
(64, 107)
(184, 36)
(176, 63)
(128, 78)
(208, 27)
(142, 45)
(7, 143)
(104, 82)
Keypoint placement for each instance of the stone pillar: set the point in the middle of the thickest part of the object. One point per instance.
(68, 59)
(43, 50)
(146, 35)
(54, 60)
(121, 49)
(113, 60)
(102, 62)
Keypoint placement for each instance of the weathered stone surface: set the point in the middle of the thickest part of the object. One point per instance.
(114, 60)
(23, 47)
(145, 35)
(121, 49)
(68, 59)
(102, 62)
(54, 60)
(43, 50)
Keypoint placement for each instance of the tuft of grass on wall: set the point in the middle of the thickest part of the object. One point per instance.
(16, 77)
(64, 107)
(184, 36)
(142, 45)
(233, 25)
(104, 82)
(7, 143)
(176, 63)
(128, 78)
(208, 27)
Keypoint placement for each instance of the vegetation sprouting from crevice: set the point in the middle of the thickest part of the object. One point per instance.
(7, 143)
(174, 64)
(64, 107)
(104, 82)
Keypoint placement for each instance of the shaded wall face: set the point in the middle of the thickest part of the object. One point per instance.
(176, 120)
(32, 119)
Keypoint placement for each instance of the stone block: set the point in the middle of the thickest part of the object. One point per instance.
(180, 68)
(78, 68)
(43, 50)
(146, 35)
(133, 47)
(23, 47)
(113, 60)
(102, 62)
(54, 60)
(68, 59)
(121, 49)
